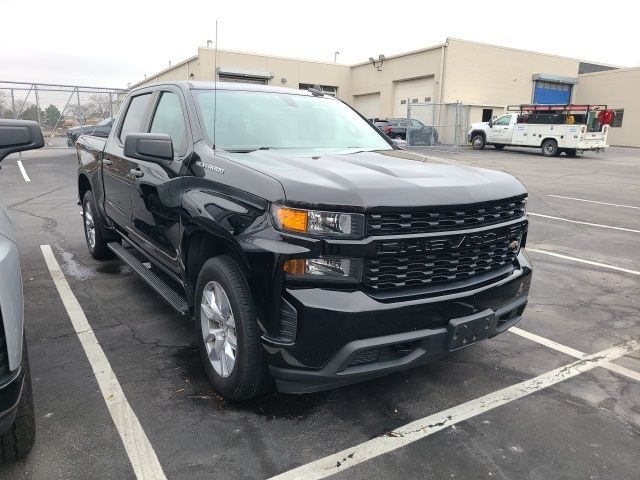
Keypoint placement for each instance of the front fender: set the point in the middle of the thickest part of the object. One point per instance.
(11, 300)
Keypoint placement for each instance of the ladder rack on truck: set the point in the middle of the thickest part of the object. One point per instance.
(568, 128)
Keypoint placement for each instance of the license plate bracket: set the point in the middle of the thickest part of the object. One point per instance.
(465, 331)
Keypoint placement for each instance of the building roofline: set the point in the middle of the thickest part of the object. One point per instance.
(280, 57)
(179, 64)
(605, 72)
(530, 51)
(405, 54)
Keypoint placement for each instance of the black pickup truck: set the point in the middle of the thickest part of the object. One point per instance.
(305, 245)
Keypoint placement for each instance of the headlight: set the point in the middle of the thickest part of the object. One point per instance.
(324, 269)
(319, 223)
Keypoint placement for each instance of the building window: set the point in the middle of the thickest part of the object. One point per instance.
(617, 119)
(326, 89)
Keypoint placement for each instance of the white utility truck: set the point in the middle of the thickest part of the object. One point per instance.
(553, 128)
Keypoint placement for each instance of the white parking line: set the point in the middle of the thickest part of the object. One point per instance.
(426, 426)
(141, 454)
(23, 171)
(574, 353)
(593, 201)
(584, 223)
(581, 260)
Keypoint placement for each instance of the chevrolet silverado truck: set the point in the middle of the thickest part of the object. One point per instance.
(309, 250)
(17, 421)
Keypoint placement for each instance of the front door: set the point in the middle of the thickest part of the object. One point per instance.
(499, 131)
(156, 193)
(117, 168)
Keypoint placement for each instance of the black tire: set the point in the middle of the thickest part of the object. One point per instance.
(478, 142)
(250, 377)
(18, 441)
(571, 152)
(498, 146)
(99, 249)
(550, 148)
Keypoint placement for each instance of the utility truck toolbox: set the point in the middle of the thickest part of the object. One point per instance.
(309, 250)
(553, 128)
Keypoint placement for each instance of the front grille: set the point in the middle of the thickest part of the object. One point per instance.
(446, 218)
(425, 262)
(4, 356)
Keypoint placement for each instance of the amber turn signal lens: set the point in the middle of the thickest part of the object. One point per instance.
(291, 219)
(296, 266)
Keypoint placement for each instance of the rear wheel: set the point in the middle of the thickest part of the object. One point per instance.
(93, 228)
(550, 148)
(478, 142)
(228, 333)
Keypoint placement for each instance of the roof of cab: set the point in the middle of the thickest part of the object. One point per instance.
(251, 87)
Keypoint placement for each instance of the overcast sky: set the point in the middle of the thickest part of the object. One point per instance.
(111, 43)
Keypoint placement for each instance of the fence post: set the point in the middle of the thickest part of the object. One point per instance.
(13, 105)
(408, 134)
(79, 107)
(110, 104)
(35, 88)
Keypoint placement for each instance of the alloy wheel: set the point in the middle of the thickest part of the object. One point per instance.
(218, 329)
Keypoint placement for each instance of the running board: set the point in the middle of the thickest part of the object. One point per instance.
(168, 294)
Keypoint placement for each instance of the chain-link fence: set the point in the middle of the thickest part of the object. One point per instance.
(437, 124)
(61, 109)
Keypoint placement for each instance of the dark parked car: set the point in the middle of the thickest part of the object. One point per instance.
(307, 248)
(396, 128)
(101, 129)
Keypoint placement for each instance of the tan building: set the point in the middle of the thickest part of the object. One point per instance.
(484, 78)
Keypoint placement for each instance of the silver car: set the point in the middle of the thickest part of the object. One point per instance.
(17, 422)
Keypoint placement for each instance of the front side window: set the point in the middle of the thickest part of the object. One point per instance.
(503, 120)
(247, 120)
(169, 119)
(135, 115)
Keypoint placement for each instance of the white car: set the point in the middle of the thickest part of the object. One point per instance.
(17, 422)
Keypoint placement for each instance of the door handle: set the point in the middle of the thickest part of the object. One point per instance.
(134, 172)
(106, 162)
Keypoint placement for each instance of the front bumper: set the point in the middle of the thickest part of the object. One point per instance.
(345, 337)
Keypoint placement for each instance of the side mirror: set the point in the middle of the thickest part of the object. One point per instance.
(150, 147)
(491, 122)
(18, 136)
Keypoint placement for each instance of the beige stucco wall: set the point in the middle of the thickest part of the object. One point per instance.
(480, 74)
(617, 89)
(294, 71)
(366, 79)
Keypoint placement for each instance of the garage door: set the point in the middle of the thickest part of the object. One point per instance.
(368, 105)
(551, 92)
(419, 90)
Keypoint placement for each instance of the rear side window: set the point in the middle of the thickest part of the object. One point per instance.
(135, 115)
(169, 119)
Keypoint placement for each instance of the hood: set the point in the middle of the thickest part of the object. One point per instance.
(6, 228)
(479, 125)
(393, 178)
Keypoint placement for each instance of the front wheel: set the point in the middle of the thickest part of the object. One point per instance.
(550, 148)
(478, 142)
(18, 441)
(228, 333)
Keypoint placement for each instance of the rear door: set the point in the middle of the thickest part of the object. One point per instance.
(156, 190)
(117, 177)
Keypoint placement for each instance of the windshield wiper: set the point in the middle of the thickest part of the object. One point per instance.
(246, 150)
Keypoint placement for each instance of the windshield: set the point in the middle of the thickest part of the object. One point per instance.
(251, 120)
(106, 121)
